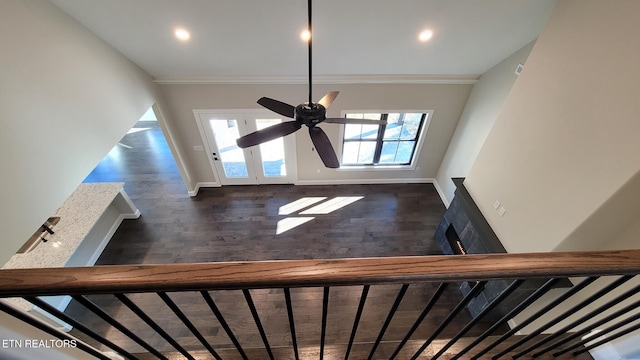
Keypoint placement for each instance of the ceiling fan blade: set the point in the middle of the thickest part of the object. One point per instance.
(276, 106)
(270, 133)
(324, 148)
(327, 100)
(354, 121)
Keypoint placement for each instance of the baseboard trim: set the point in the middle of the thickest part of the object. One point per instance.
(336, 182)
(199, 185)
(132, 216)
(365, 181)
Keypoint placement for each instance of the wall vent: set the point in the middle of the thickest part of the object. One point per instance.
(518, 69)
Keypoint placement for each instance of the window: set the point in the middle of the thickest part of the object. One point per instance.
(379, 145)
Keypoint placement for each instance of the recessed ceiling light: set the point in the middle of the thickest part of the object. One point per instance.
(426, 35)
(182, 34)
(305, 35)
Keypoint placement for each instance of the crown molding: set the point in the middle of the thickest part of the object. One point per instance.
(326, 79)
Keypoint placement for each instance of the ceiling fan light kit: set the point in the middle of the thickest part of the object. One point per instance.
(309, 113)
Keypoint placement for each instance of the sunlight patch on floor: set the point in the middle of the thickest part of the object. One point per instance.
(323, 208)
(332, 205)
(135, 130)
(289, 223)
(299, 204)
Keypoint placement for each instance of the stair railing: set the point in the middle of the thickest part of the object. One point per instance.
(537, 313)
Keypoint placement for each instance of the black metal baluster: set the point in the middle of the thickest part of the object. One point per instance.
(292, 324)
(158, 329)
(78, 326)
(423, 314)
(256, 319)
(212, 305)
(515, 311)
(586, 282)
(492, 305)
(602, 332)
(392, 312)
(176, 310)
(113, 322)
(479, 286)
(50, 330)
(325, 310)
(568, 313)
(356, 322)
(586, 318)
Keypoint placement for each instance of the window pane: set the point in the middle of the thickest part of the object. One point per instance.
(405, 149)
(370, 131)
(388, 155)
(410, 126)
(367, 149)
(350, 152)
(393, 128)
(273, 163)
(352, 131)
(372, 116)
(358, 152)
(360, 131)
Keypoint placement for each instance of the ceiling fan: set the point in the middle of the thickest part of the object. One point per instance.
(309, 113)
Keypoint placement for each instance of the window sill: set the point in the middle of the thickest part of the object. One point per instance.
(376, 168)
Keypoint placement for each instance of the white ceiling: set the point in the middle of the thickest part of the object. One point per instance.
(252, 39)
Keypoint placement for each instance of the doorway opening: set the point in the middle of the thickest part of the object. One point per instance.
(141, 158)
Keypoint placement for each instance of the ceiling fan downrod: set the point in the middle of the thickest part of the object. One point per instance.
(310, 43)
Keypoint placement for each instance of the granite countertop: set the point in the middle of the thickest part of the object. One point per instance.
(78, 214)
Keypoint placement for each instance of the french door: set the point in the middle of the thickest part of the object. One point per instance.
(272, 162)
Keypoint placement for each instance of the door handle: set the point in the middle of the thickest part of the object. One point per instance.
(214, 156)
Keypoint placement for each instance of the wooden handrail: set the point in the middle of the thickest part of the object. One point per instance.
(298, 273)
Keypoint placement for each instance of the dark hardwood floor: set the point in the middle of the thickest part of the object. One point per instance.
(241, 223)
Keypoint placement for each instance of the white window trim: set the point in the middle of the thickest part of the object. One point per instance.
(417, 153)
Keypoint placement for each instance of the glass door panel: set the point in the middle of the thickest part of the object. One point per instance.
(230, 155)
(272, 152)
(275, 160)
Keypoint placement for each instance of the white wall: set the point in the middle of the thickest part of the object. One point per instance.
(613, 225)
(65, 99)
(567, 137)
(480, 112)
(628, 238)
(447, 101)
